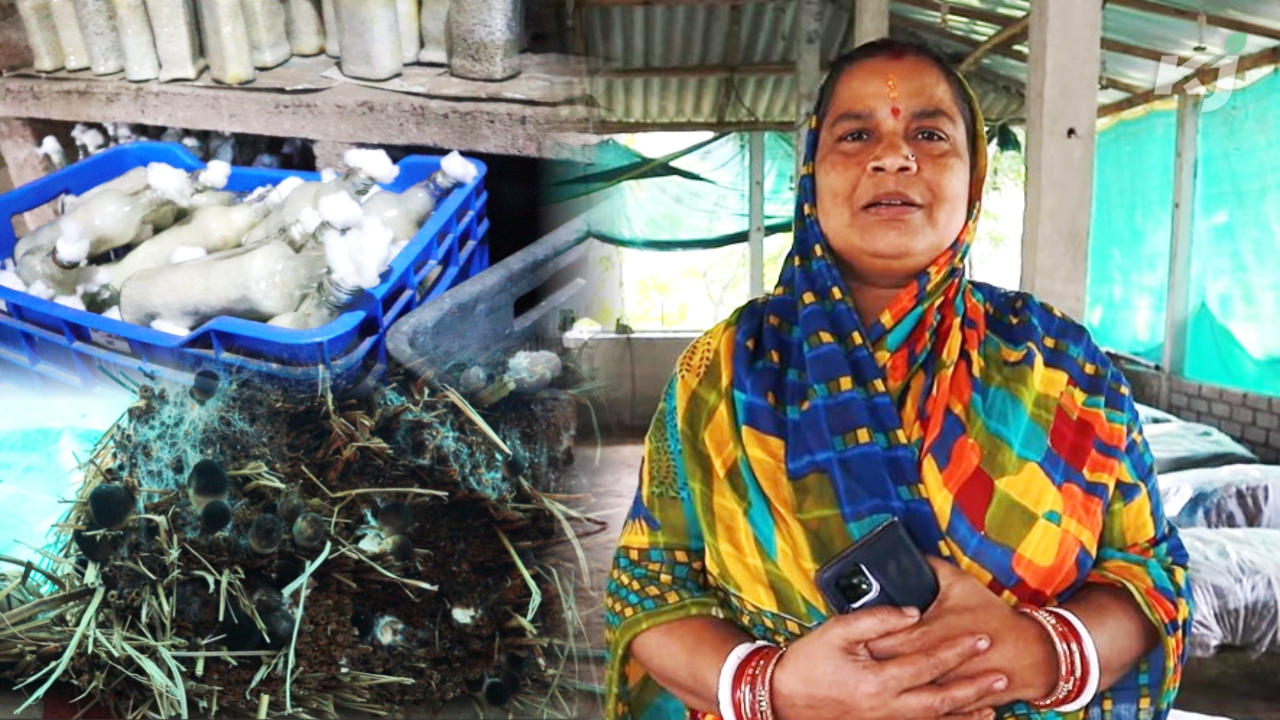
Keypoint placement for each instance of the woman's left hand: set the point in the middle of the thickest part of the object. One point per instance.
(1020, 647)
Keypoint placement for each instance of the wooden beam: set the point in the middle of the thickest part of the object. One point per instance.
(733, 57)
(932, 30)
(1008, 35)
(1226, 23)
(1000, 20)
(1206, 75)
(611, 127)
(964, 11)
(928, 30)
(1124, 48)
(648, 3)
(697, 72)
(1110, 83)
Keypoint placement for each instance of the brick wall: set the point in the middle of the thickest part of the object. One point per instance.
(1253, 420)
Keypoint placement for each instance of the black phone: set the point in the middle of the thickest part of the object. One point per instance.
(883, 568)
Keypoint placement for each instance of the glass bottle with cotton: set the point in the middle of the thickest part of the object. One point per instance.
(206, 187)
(365, 168)
(208, 230)
(255, 282)
(355, 259)
(109, 220)
(405, 212)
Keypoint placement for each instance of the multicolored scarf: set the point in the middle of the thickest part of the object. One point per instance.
(987, 421)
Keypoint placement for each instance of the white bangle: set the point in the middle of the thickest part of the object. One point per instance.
(724, 691)
(1093, 679)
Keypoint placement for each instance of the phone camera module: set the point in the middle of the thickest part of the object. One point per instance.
(857, 587)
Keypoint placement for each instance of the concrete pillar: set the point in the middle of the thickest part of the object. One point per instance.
(18, 141)
(1179, 304)
(1062, 106)
(755, 231)
(870, 20)
(329, 153)
(808, 66)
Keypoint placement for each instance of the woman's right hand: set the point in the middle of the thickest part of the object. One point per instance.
(830, 673)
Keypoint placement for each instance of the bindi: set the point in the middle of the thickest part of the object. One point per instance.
(891, 85)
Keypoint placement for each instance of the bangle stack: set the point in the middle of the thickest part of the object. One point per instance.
(746, 682)
(1078, 669)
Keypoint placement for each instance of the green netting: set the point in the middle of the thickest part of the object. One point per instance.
(697, 198)
(611, 163)
(1235, 276)
(1130, 235)
(1235, 263)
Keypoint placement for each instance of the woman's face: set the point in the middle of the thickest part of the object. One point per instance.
(892, 170)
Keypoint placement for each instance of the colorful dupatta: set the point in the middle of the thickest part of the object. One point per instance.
(987, 421)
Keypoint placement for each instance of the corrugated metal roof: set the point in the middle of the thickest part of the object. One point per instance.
(759, 39)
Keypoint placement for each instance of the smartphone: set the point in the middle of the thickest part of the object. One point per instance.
(883, 568)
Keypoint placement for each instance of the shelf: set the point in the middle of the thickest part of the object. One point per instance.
(521, 117)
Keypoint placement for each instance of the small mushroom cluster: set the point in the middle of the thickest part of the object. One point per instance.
(111, 506)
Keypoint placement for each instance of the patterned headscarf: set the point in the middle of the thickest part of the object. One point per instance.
(989, 423)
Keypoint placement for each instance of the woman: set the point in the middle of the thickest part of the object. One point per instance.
(877, 382)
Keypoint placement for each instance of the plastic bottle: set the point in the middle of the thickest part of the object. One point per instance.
(42, 36)
(256, 282)
(212, 229)
(226, 41)
(75, 55)
(268, 41)
(134, 26)
(410, 38)
(370, 36)
(433, 21)
(405, 212)
(98, 27)
(305, 26)
(177, 38)
(484, 39)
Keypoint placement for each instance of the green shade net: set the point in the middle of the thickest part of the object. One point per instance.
(1130, 234)
(1235, 259)
(696, 198)
(1232, 337)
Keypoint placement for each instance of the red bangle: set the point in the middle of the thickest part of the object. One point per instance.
(752, 684)
(1072, 660)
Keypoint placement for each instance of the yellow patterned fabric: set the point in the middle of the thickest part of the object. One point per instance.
(986, 421)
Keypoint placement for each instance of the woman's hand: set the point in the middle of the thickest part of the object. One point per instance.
(1020, 647)
(831, 673)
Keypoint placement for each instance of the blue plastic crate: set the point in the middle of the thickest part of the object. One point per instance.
(73, 347)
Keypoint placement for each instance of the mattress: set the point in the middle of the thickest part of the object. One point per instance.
(1184, 445)
(1225, 496)
(1235, 583)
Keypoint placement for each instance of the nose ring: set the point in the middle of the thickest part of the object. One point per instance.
(911, 157)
